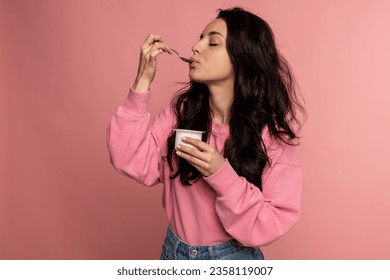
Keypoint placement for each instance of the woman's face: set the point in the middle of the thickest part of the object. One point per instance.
(212, 65)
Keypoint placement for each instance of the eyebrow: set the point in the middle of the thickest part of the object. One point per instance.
(211, 33)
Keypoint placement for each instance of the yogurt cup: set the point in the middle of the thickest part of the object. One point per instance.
(180, 133)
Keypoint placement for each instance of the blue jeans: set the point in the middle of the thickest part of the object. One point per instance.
(175, 249)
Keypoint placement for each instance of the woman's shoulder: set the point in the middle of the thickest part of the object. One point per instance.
(167, 115)
(281, 151)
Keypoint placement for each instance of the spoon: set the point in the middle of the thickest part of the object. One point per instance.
(182, 57)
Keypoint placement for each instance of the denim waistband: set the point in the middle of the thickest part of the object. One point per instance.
(174, 248)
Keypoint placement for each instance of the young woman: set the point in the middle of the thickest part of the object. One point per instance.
(239, 188)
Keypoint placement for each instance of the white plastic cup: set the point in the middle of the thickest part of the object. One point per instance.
(180, 133)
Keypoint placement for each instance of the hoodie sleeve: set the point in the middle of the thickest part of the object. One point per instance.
(136, 147)
(256, 218)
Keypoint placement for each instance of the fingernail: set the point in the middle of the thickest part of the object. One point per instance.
(178, 153)
(184, 138)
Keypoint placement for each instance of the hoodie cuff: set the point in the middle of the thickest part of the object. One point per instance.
(137, 102)
(225, 180)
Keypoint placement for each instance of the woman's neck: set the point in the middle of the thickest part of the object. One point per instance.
(220, 103)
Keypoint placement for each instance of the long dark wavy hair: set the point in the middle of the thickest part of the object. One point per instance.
(264, 96)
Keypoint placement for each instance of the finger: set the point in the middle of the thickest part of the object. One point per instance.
(195, 153)
(162, 46)
(155, 53)
(198, 163)
(168, 48)
(198, 143)
(152, 38)
(154, 50)
(149, 41)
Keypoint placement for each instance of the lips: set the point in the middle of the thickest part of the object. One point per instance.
(193, 61)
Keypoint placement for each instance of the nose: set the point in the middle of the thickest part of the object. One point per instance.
(195, 48)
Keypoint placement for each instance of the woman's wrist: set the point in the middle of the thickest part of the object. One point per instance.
(141, 85)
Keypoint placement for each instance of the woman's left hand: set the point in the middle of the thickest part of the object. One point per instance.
(203, 157)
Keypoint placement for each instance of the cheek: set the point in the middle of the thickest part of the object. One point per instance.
(223, 61)
(218, 66)
(225, 67)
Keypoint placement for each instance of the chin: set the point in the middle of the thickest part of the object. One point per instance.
(195, 79)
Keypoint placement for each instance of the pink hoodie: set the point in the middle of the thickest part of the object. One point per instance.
(217, 208)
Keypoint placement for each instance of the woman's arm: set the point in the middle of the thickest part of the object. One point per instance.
(258, 218)
(252, 217)
(136, 147)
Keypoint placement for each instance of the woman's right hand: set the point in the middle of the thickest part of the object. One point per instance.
(150, 49)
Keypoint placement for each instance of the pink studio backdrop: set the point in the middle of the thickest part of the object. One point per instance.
(66, 65)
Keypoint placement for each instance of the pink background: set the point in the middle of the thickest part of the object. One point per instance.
(66, 65)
